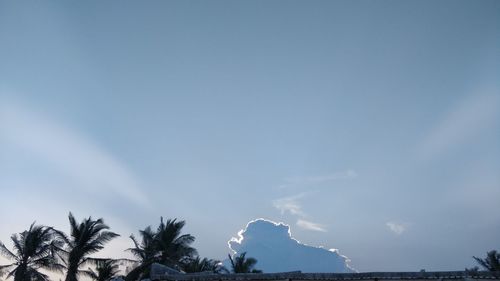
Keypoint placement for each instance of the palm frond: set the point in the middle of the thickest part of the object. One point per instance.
(88, 273)
(242, 264)
(37, 276)
(6, 252)
(86, 238)
(491, 262)
(7, 266)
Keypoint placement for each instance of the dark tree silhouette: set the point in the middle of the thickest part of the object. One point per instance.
(86, 238)
(146, 249)
(166, 246)
(491, 262)
(145, 252)
(203, 265)
(105, 270)
(173, 248)
(241, 264)
(34, 249)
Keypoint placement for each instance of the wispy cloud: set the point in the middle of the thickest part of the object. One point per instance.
(293, 206)
(88, 165)
(397, 228)
(290, 204)
(319, 179)
(462, 123)
(310, 225)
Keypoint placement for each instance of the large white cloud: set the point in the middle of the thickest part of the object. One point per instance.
(277, 251)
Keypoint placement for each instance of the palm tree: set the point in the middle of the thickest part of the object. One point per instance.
(145, 252)
(173, 248)
(34, 249)
(491, 262)
(203, 265)
(166, 246)
(241, 264)
(106, 269)
(85, 239)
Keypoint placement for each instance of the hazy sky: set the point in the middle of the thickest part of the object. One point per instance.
(368, 126)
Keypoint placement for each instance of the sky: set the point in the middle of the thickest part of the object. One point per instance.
(372, 127)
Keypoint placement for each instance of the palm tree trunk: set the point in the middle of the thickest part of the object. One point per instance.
(21, 273)
(71, 274)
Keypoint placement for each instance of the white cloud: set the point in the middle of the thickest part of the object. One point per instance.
(89, 167)
(290, 204)
(464, 122)
(397, 228)
(310, 225)
(276, 250)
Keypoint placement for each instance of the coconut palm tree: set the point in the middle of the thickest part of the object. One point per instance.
(173, 248)
(166, 246)
(491, 262)
(146, 249)
(105, 270)
(203, 265)
(145, 252)
(86, 238)
(34, 249)
(241, 264)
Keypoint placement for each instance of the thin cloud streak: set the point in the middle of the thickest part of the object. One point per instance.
(292, 205)
(463, 123)
(308, 225)
(89, 166)
(301, 181)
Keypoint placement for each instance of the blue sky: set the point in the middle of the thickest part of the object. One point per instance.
(368, 126)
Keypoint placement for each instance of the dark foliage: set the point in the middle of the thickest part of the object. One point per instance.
(86, 238)
(105, 270)
(165, 246)
(34, 249)
(491, 262)
(241, 264)
(197, 264)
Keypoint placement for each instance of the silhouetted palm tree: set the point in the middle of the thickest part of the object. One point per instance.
(146, 249)
(145, 252)
(241, 264)
(203, 265)
(34, 249)
(166, 246)
(491, 262)
(173, 248)
(105, 270)
(85, 239)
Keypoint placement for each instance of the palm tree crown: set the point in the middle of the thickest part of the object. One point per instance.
(241, 264)
(85, 239)
(34, 249)
(491, 262)
(145, 252)
(166, 246)
(105, 270)
(203, 265)
(173, 247)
